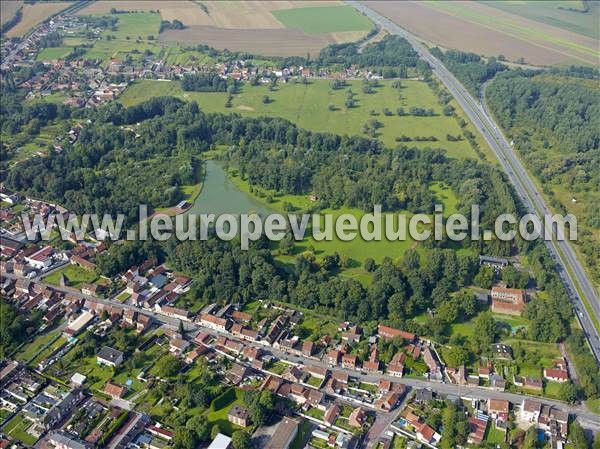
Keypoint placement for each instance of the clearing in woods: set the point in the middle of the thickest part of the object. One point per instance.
(35, 14)
(490, 31)
(307, 105)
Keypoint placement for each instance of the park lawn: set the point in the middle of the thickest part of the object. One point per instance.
(493, 435)
(50, 54)
(323, 19)
(17, 429)
(415, 368)
(314, 381)
(306, 105)
(219, 415)
(75, 274)
(398, 442)
(32, 348)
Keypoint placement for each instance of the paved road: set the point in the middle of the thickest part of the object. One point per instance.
(587, 418)
(561, 251)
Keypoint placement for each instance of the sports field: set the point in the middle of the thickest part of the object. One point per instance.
(307, 105)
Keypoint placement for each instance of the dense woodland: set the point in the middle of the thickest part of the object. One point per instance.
(554, 121)
(469, 68)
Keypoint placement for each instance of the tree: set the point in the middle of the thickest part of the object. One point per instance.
(369, 264)
(567, 392)
(214, 431)
(240, 439)
(168, 366)
(457, 356)
(184, 438)
(485, 331)
(200, 425)
(266, 99)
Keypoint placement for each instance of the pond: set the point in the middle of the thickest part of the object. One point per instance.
(220, 195)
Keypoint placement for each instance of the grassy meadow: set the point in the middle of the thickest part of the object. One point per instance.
(307, 105)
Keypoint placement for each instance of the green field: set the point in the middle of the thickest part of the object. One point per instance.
(306, 105)
(131, 38)
(16, 428)
(555, 13)
(323, 19)
(49, 54)
(75, 274)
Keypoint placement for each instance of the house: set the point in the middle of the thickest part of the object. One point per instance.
(389, 333)
(556, 375)
(498, 409)
(77, 325)
(422, 395)
(292, 373)
(315, 398)
(357, 418)
(239, 416)
(478, 426)
(530, 410)
(497, 382)
(77, 380)
(284, 434)
(432, 362)
(178, 345)
(349, 361)
(174, 312)
(371, 366)
(297, 393)
(109, 356)
(494, 262)
(91, 289)
(333, 357)
(160, 432)
(427, 434)
(114, 390)
(388, 401)
(308, 348)
(509, 301)
(62, 440)
(41, 259)
(331, 414)
(316, 371)
(252, 353)
(236, 374)
(214, 322)
(241, 317)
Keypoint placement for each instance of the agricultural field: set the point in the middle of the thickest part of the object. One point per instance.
(569, 15)
(307, 105)
(9, 9)
(34, 14)
(252, 26)
(324, 19)
(490, 31)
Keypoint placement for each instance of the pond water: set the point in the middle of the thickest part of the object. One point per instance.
(220, 195)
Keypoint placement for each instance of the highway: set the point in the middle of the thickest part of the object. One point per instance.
(561, 251)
